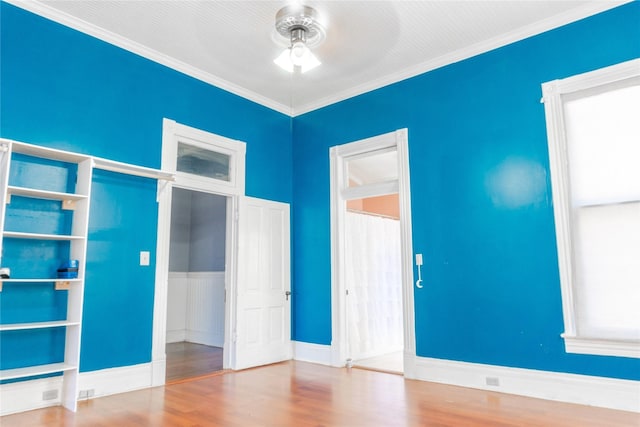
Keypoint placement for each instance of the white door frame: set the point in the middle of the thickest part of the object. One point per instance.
(173, 132)
(338, 156)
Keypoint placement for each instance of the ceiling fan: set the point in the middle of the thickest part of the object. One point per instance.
(299, 26)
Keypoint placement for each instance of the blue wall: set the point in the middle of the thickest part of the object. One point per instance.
(63, 89)
(482, 212)
(481, 198)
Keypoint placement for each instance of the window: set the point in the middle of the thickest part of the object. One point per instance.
(594, 147)
(203, 160)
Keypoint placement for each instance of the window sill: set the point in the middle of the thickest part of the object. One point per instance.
(600, 347)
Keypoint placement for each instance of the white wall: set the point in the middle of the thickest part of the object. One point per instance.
(195, 312)
(195, 307)
(198, 227)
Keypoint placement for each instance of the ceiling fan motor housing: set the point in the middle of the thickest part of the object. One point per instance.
(297, 22)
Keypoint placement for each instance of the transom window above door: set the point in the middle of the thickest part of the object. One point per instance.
(203, 162)
(372, 168)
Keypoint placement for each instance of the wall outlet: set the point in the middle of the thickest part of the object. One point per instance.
(493, 381)
(50, 395)
(86, 394)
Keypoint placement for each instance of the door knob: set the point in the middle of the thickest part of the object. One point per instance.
(287, 293)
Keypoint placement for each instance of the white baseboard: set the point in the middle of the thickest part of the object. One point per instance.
(176, 336)
(571, 388)
(27, 395)
(116, 380)
(197, 337)
(158, 372)
(206, 338)
(314, 353)
(581, 389)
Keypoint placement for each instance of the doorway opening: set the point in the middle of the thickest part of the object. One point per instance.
(374, 283)
(372, 266)
(209, 166)
(196, 285)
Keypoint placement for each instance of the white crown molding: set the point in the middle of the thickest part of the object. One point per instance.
(556, 21)
(38, 8)
(522, 33)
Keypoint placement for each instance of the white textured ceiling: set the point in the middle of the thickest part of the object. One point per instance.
(369, 43)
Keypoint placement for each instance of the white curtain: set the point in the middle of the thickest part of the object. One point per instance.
(373, 279)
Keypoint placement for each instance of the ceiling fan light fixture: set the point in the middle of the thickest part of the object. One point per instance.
(299, 52)
(284, 60)
(300, 26)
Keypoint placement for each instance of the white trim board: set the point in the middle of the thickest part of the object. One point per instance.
(27, 395)
(588, 390)
(571, 388)
(312, 353)
(587, 10)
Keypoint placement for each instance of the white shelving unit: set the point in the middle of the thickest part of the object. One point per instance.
(78, 203)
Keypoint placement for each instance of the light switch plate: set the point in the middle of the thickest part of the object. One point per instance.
(144, 258)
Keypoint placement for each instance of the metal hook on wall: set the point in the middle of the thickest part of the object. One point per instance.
(419, 284)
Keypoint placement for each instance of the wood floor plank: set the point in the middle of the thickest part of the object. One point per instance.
(190, 360)
(303, 394)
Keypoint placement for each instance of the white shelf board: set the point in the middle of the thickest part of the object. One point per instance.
(10, 374)
(43, 194)
(43, 280)
(36, 325)
(44, 152)
(39, 236)
(129, 169)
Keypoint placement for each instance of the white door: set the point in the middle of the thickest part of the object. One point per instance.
(263, 324)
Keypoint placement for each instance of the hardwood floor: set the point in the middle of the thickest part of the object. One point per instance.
(392, 363)
(189, 360)
(304, 394)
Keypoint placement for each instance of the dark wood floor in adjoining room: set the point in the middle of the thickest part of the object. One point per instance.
(189, 360)
(303, 394)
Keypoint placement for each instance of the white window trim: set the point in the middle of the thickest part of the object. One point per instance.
(553, 93)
